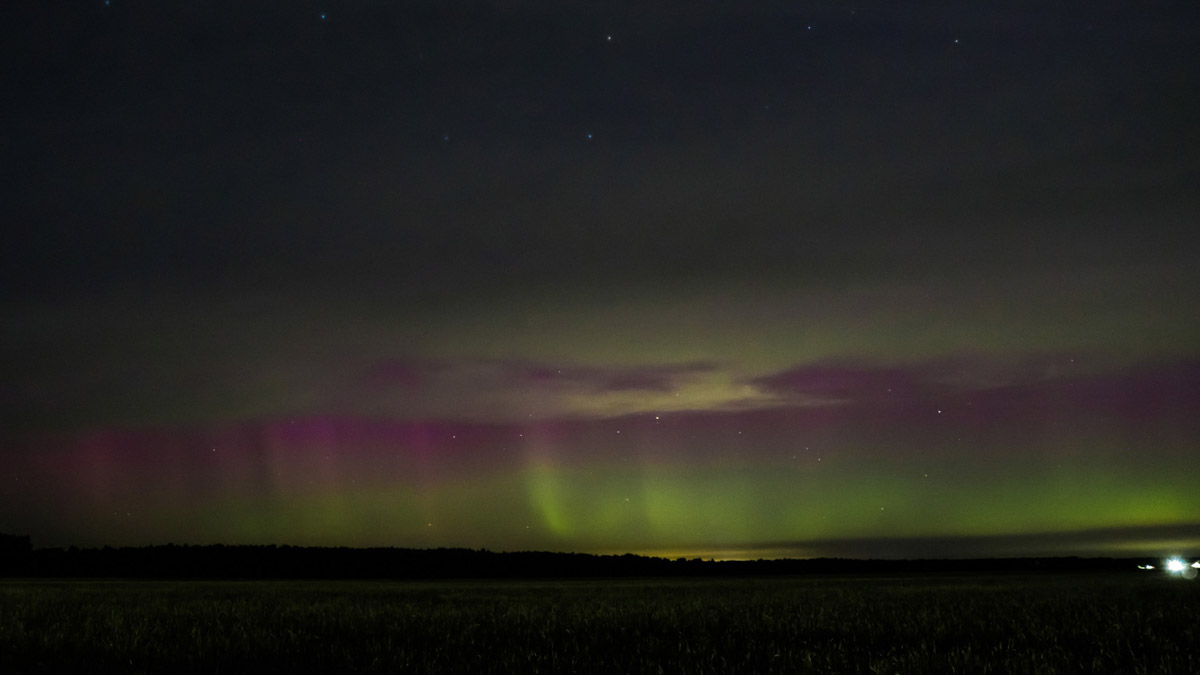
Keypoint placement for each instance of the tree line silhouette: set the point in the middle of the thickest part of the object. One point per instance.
(171, 561)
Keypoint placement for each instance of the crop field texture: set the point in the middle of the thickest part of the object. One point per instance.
(1050, 624)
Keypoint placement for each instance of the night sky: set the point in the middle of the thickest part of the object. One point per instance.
(717, 279)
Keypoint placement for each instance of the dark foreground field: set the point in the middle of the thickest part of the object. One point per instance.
(1137, 623)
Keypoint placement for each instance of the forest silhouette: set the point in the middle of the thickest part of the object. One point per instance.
(172, 561)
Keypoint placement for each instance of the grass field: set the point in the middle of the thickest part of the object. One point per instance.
(1052, 624)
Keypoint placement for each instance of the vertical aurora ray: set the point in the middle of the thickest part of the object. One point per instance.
(543, 483)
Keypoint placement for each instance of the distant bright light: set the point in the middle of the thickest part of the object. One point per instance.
(1196, 564)
(1145, 567)
(1176, 565)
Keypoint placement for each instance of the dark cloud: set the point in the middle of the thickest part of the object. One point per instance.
(999, 392)
(518, 375)
(401, 374)
(654, 378)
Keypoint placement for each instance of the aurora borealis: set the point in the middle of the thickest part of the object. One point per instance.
(782, 281)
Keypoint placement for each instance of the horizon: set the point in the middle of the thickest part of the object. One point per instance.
(1118, 543)
(667, 556)
(606, 277)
